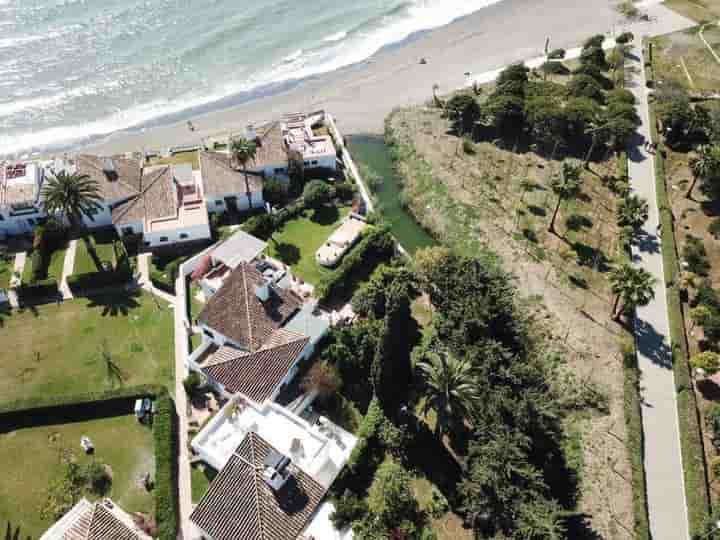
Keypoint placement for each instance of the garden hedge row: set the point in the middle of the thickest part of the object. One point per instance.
(376, 247)
(166, 491)
(40, 289)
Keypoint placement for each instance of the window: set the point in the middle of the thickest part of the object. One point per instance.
(31, 221)
(147, 244)
(306, 163)
(163, 238)
(209, 334)
(279, 170)
(183, 236)
(314, 162)
(218, 203)
(127, 231)
(1, 217)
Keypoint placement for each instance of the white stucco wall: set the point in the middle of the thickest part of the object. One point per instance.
(175, 236)
(242, 201)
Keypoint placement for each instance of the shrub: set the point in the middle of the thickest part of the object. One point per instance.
(695, 255)
(316, 193)
(620, 95)
(348, 508)
(192, 383)
(625, 37)
(555, 68)
(714, 228)
(98, 478)
(165, 436)
(706, 296)
(37, 266)
(468, 146)
(556, 54)
(40, 289)
(583, 85)
(262, 226)
(708, 361)
(323, 378)
(390, 497)
(345, 191)
(274, 191)
(377, 246)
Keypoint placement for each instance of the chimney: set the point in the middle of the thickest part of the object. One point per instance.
(276, 471)
(262, 291)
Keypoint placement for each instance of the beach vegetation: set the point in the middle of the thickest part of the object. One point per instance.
(463, 111)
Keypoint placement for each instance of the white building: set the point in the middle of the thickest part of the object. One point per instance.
(20, 206)
(274, 470)
(227, 189)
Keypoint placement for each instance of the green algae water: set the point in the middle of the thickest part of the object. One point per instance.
(371, 152)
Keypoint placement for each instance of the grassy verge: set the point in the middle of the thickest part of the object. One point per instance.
(103, 243)
(693, 454)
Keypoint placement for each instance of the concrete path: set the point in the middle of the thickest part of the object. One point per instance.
(667, 507)
(68, 266)
(181, 353)
(15, 279)
(146, 283)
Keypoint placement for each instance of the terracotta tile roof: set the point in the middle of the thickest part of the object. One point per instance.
(220, 178)
(239, 505)
(236, 312)
(157, 198)
(271, 149)
(126, 183)
(100, 523)
(257, 375)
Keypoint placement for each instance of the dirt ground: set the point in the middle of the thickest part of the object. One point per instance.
(682, 57)
(501, 200)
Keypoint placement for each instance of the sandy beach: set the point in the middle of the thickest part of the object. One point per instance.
(361, 96)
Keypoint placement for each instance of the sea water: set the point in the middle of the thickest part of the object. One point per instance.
(75, 69)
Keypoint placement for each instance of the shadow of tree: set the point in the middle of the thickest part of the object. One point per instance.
(578, 281)
(709, 389)
(590, 256)
(325, 215)
(576, 222)
(287, 253)
(536, 210)
(116, 303)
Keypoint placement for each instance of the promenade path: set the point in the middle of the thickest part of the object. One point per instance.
(667, 507)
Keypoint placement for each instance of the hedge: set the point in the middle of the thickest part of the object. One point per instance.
(96, 280)
(376, 247)
(166, 490)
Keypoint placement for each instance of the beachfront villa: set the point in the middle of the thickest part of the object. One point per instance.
(275, 468)
(101, 520)
(164, 204)
(20, 206)
(293, 135)
(225, 188)
(341, 240)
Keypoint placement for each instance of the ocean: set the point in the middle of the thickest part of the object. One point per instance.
(72, 70)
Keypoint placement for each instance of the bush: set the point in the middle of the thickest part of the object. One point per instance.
(556, 54)
(261, 226)
(714, 228)
(165, 436)
(708, 361)
(620, 95)
(38, 290)
(695, 255)
(274, 191)
(348, 508)
(323, 378)
(625, 37)
(376, 247)
(98, 478)
(707, 296)
(555, 68)
(345, 191)
(468, 147)
(316, 193)
(192, 383)
(38, 269)
(390, 497)
(583, 85)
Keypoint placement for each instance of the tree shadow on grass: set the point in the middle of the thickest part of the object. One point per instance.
(325, 215)
(590, 257)
(114, 304)
(536, 210)
(287, 253)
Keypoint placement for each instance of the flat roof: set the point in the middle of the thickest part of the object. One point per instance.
(239, 248)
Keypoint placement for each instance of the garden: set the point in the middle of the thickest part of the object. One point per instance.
(96, 243)
(45, 261)
(99, 342)
(36, 484)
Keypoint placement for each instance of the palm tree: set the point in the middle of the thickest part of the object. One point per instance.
(705, 164)
(567, 186)
(73, 196)
(451, 388)
(632, 212)
(245, 151)
(633, 286)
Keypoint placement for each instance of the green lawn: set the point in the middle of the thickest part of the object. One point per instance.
(57, 349)
(103, 242)
(180, 157)
(297, 241)
(120, 442)
(196, 306)
(200, 477)
(54, 269)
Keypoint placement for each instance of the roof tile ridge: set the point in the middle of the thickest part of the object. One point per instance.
(258, 510)
(247, 308)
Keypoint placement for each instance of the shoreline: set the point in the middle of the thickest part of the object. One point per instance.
(361, 95)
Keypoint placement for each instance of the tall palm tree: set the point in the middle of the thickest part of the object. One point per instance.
(245, 151)
(73, 196)
(705, 164)
(632, 211)
(632, 286)
(567, 186)
(451, 388)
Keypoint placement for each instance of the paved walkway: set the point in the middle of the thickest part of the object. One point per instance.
(663, 462)
(68, 266)
(144, 279)
(181, 352)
